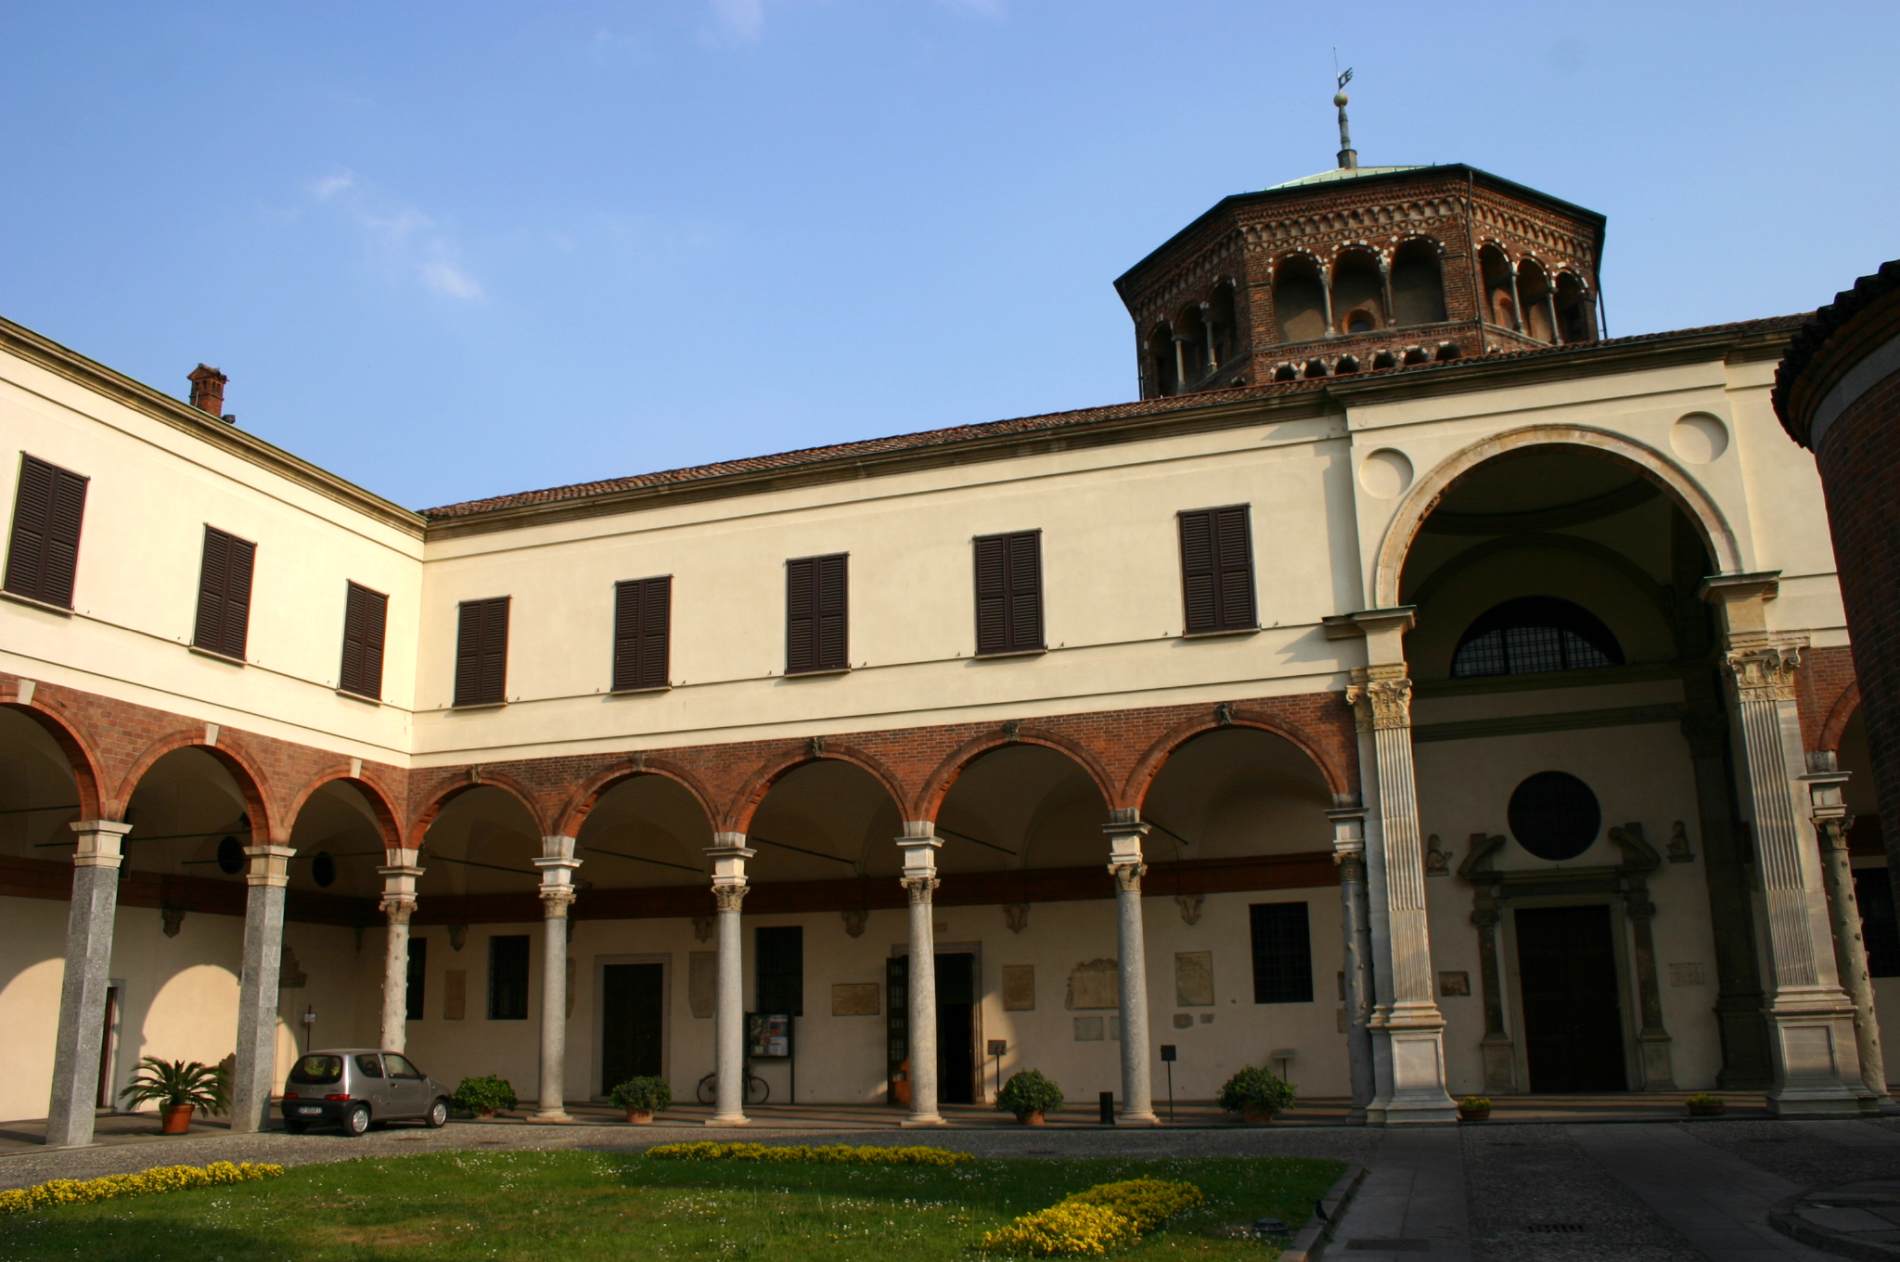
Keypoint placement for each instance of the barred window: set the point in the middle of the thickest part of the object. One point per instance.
(1534, 634)
(1282, 953)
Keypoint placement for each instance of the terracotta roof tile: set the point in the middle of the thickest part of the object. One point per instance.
(1822, 325)
(1044, 423)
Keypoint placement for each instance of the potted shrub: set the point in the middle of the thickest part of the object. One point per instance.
(642, 1098)
(1702, 1104)
(1029, 1095)
(1256, 1094)
(1474, 1108)
(178, 1087)
(484, 1096)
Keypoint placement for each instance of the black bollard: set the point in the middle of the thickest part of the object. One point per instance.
(1108, 1108)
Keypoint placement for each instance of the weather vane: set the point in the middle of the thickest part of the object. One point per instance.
(1348, 156)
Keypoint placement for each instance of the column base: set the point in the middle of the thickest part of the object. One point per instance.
(1144, 1118)
(1817, 1057)
(728, 1119)
(1659, 1072)
(1414, 1035)
(1500, 1064)
(551, 1116)
(923, 1119)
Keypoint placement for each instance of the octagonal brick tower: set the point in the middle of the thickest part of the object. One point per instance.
(1358, 269)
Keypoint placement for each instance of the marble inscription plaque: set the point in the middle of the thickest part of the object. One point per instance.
(1088, 1029)
(1193, 979)
(855, 999)
(702, 983)
(1019, 988)
(1092, 985)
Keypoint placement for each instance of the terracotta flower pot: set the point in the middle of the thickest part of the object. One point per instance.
(175, 1119)
(1032, 1119)
(1708, 1110)
(640, 1117)
(1473, 1115)
(1256, 1117)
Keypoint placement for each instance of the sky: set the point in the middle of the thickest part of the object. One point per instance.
(450, 251)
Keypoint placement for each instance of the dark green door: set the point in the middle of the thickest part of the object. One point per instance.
(632, 1013)
(1573, 1024)
(956, 1029)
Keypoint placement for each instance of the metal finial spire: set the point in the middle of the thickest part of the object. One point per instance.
(1348, 156)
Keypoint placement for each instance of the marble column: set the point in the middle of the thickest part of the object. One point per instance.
(557, 865)
(1207, 336)
(1349, 855)
(1180, 361)
(1810, 1020)
(82, 991)
(1125, 864)
(398, 905)
(728, 855)
(919, 847)
(256, 1072)
(1408, 1023)
(1498, 1052)
(1826, 791)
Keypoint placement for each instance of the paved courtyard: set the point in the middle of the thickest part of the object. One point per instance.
(1532, 1188)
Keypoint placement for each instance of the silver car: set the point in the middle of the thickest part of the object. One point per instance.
(352, 1087)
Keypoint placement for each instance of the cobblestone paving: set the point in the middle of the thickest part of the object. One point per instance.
(1807, 1154)
(1532, 1193)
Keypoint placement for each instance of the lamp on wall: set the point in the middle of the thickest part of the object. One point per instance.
(309, 1025)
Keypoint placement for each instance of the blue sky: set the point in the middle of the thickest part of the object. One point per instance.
(452, 251)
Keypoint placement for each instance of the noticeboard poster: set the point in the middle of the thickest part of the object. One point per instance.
(768, 1035)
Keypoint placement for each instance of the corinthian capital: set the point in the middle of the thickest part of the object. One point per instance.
(729, 897)
(919, 887)
(1765, 672)
(1381, 698)
(1128, 875)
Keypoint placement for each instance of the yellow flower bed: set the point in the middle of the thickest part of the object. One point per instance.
(824, 1154)
(1096, 1220)
(157, 1179)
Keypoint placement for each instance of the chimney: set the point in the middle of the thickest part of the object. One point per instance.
(207, 389)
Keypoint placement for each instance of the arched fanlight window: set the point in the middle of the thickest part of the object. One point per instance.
(1533, 634)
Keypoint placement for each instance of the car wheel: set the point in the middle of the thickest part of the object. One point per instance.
(356, 1120)
(439, 1114)
(296, 1128)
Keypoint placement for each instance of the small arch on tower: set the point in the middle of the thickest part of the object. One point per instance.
(1385, 359)
(1161, 361)
(1575, 320)
(1224, 321)
(1346, 364)
(1358, 291)
(1286, 372)
(1299, 299)
(1315, 368)
(1418, 282)
(1190, 332)
(1500, 304)
(1417, 355)
(1534, 298)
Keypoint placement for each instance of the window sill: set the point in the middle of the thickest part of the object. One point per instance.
(359, 697)
(1220, 633)
(638, 692)
(1005, 655)
(817, 674)
(465, 707)
(34, 602)
(215, 656)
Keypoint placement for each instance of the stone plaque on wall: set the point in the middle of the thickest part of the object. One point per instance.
(1193, 979)
(855, 999)
(702, 982)
(1092, 985)
(1088, 1029)
(454, 994)
(1019, 988)
(1454, 984)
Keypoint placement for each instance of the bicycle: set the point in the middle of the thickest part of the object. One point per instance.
(756, 1090)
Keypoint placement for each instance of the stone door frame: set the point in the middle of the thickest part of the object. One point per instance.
(599, 1004)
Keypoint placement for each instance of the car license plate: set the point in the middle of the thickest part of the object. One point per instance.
(308, 1110)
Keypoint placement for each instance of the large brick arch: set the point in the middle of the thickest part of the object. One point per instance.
(1834, 729)
(581, 802)
(466, 780)
(929, 800)
(69, 736)
(745, 804)
(1338, 779)
(381, 802)
(267, 823)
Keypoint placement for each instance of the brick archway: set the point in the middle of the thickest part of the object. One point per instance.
(67, 735)
(580, 804)
(417, 837)
(1135, 793)
(937, 788)
(375, 795)
(266, 823)
(738, 817)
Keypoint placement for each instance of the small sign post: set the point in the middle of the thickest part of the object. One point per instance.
(997, 1048)
(1167, 1058)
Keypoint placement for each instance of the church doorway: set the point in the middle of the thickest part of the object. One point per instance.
(956, 1027)
(632, 1013)
(1573, 1026)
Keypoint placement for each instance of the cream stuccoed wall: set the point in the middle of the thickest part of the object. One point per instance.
(177, 994)
(153, 487)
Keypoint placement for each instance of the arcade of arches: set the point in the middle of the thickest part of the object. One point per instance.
(1573, 866)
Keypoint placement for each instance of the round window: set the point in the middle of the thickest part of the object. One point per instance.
(1554, 815)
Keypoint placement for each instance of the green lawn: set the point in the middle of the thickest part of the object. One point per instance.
(581, 1205)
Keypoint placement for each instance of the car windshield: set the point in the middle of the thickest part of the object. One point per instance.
(317, 1069)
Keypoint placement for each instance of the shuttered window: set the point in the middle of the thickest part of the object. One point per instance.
(815, 614)
(481, 652)
(43, 553)
(642, 609)
(1217, 569)
(365, 614)
(1009, 592)
(224, 594)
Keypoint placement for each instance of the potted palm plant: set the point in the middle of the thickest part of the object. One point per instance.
(179, 1088)
(1256, 1094)
(642, 1098)
(1029, 1095)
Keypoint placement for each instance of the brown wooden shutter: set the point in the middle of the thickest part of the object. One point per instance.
(365, 617)
(1009, 592)
(481, 652)
(43, 552)
(817, 599)
(1217, 569)
(642, 613)
(224, 594)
